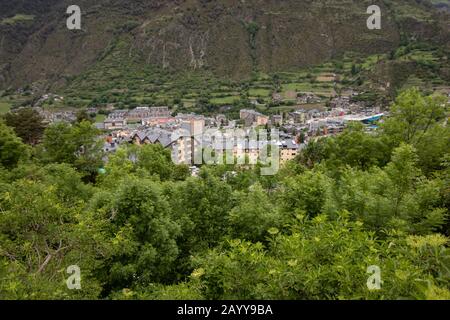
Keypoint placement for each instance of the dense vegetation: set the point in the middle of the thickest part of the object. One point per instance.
(144, 229)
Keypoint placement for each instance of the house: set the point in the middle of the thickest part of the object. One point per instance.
(188, 117)
(114, 123)
(307, 98)
(277, 97)
(141, 113)
(118, 114)
(252, 117)
(289, 149)
(92, 110)
(342, 102)
(181, 142)
(276, 120)
(157, 121)
(152, 136)
(262, 120)
(299, 116)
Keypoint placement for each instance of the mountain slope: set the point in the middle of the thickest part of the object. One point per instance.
(230, 38)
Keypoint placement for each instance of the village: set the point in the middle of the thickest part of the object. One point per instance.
(187, 135)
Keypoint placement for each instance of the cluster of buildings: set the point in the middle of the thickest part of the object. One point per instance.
(119, 119)
(315, 123)
(253, 118)
(49, 97)
(308, 98)
(156, 117)
(59, 116)
(189, 137)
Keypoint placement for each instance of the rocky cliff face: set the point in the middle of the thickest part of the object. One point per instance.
(228, 37)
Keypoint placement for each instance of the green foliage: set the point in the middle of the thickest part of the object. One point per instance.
(12, 150)
(76, 144)
(144, 229)
(156, 161)
(304, 193)
(355, 148)
(412, 115)
(204, 204)
(398, 197)
(418, 120)
(254, 205)
(147, 161)
(27, 123)
(324, 259)
(41, 235)
(144, 234)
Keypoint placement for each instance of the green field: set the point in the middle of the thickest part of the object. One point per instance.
(259, 92)
(225, 100)
(100, 118)
(4, 107)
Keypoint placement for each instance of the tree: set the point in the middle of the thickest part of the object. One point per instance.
(181, 172)
(313, 154)
(57, 146)
(356, 148)
(27, 123)
(252, 206)
(156, 160)
(432, 148)
(83, 115)
(397, 197)
(412, 115)
(41, 236)
(78, 145)
(145, 234)
(419, 120)
(12, 150)
(204, 204)
(305, 193)
(147, 161)
(145, 229)
(302, 137)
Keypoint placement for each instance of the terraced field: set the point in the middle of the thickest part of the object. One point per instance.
(4, 107)
(125, 86)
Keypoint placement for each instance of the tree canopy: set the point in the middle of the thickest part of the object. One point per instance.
(145, 229)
